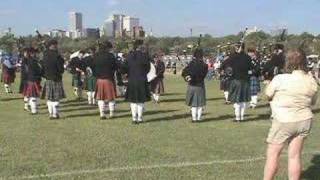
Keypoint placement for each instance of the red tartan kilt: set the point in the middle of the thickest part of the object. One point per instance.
(32, 89)
(105, 90)
(8, 78)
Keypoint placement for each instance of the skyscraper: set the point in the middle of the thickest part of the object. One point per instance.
(75, 22)
(129, 23)
(118, 23)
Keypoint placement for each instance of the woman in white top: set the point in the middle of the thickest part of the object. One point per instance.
(291, 98)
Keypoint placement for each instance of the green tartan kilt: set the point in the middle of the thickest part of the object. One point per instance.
(239, 91)
(90, 84)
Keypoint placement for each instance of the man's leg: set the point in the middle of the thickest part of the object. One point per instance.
(112, 105)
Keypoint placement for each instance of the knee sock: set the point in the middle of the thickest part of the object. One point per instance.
(226, 95)
(55, 109)
(254, 101)
(140, 107)
(33, 105)
(50, 110)
(26, 103)
(194, 113)
(199, 113)
(89, 97)
(156, 97)
(134, 111)
(75, 91)
(112, 105)
(7, 88)
(93, 97)
(101, 105)
(243, 109)
(237, 111)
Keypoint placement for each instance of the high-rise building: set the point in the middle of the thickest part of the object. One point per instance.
(75, 21)
(118, 24)
(129, 23)
(108, 28)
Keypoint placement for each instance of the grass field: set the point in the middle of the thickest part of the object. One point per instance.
(167, 146)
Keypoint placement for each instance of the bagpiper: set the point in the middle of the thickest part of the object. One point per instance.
(157, 85)
(104, 63)
(8, 62)
(239, 90)
(32, 86)
(138, 91)
(77, 68)
(91, 79)
(53, 69)
(255, 87)
(195, 74)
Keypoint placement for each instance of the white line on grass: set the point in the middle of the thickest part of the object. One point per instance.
(157, 166)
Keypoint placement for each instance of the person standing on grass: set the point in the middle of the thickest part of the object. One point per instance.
(53, 69)
(194, 74)
(23, 76)
(292, 96)
(32, 88)
(105, 66)
(239, 90)
(77, 69)
(255, 87)
(157, 86)
(137, 67)
(91, 79)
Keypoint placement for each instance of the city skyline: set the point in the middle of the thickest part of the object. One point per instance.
(165, 18)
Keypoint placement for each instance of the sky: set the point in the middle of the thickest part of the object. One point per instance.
(166, 17)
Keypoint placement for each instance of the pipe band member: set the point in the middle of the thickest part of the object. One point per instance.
(195, 74)
(239, 91)
(105, 66)
(53, 69)
(138, 91)
(157, 85)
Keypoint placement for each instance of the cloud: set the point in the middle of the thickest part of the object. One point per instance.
(7, 12)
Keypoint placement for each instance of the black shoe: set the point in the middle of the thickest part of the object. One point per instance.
(103, 118)
(134, 122)
(33, 114)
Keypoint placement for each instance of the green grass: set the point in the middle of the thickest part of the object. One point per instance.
(34, 145)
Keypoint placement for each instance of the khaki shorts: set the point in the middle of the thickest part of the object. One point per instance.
(284, 132)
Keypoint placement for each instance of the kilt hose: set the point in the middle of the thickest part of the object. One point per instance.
(32, 89)
(105, 90)
(53, 90)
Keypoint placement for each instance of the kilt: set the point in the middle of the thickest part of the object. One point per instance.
(32, 89)
(196, 96)
(138, 91)
(225, 84)
(91, 83)
(8, 76)
(254, 86)
(53, 91)
(157, 86)
(77, 81)
(239, 91)
(105, 90)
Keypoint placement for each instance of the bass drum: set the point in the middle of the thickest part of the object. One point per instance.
(152, 73)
